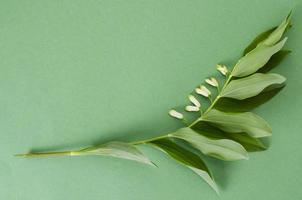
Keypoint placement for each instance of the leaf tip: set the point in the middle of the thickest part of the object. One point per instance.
(153, 164)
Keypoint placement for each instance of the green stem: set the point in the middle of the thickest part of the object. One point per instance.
(46, 154)
(193, 123)
(76, 153)
(150, 140)
(213, 102)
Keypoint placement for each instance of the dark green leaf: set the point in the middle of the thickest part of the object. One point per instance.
(248, 142)
(187, 158)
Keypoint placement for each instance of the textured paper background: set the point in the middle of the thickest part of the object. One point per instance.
(75, 73)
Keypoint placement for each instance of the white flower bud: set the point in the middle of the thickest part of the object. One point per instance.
(202, 90)
(212, 81)
(192, 108)
(175, 114)
(222, 68)
(194, 101)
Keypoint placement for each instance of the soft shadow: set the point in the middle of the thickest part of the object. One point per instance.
(266, 141)
(132, 132)
(219, 170)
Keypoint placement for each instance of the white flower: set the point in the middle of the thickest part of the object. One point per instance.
(202, 90)
(192, 108)
(175, 114)
(212, 81)
(194, 101)
(222, 68)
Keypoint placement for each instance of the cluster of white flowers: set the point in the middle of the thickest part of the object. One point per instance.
(201, 90)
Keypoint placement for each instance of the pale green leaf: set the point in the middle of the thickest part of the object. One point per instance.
(250, 86)
(269, 37)
(187, 158)
(256, 59)
(223, 149)
(259, 38)
(246, 122)
(116, 149)
(234, 105)
(276, 35)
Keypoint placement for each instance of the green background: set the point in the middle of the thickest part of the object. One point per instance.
(75, 73)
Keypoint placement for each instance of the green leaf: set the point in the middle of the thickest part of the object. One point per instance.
(275, 60)
(248, 142)
(234, 105)
(223, 149)
(276, 35)
(269, 37)
(250, 86)
(187, 158)
(116, 149)
(246, 122)
(262, 36)
(256, 59)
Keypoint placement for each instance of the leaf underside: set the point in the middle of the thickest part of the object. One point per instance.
(117, 149)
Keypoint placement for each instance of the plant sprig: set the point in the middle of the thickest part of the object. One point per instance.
(225, 129)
